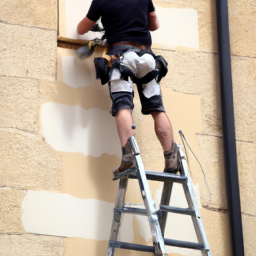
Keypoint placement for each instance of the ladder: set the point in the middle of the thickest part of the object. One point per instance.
(157, 218)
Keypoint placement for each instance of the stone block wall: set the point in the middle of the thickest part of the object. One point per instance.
(28, 46)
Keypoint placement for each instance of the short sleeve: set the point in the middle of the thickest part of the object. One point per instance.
(151, 7)
(94, 11)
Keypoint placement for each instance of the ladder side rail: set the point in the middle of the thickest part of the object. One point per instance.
(192, 203)
(158, 240)
(123, 183)
(165, 200)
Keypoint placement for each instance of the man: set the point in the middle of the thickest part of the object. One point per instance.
(127, 24)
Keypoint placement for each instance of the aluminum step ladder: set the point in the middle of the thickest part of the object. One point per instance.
(157, 218)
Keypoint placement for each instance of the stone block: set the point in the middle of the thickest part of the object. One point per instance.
(244, 91)
(247, 176)
(28, 162)
(242, 20)
(216, 225)
(30, 245)
(19, 103)
(213, 184)
(10, 211)
(212, 160)
(28, 52)
(34, 13)
(249, 232)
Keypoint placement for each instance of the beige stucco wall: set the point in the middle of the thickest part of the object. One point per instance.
(58, 143)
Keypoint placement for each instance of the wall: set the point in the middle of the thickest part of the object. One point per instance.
(59, 143)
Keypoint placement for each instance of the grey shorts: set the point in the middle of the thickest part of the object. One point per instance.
(124, 100)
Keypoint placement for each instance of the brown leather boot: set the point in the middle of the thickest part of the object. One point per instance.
(128, 161)
(171, 159)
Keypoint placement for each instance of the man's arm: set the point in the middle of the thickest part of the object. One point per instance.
(153, 22)
(84, 25)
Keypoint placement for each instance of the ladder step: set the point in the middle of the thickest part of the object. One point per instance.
(184, 244)
(131, 210)
(178, 210)
(162, 176)
(135, 247)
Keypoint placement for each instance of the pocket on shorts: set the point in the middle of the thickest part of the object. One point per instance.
(151, 89)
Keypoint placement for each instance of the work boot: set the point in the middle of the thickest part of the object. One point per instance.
(171, 159)
(128, 161)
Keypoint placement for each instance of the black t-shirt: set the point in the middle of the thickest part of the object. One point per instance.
(123, 20)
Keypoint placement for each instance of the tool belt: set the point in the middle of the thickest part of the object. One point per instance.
(105, 65)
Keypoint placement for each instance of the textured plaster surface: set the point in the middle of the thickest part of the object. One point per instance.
(246, 153)
(80, 247)
(217, 229)
(80, 181)
(249, 232)
(10, 212)
(242, 20)
(212, 160)
(30, 245)
(19, 103)
(27, 161)
(244, 91)
(27, 52)
(34, 13)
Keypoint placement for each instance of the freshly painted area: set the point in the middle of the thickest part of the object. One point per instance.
(63, 215)
(80, 9)
(74, 129)
(178, 28)
(75, 72)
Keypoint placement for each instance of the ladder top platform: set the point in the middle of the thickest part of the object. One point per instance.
(162, 176)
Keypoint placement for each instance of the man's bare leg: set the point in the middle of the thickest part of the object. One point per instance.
(163, 129)
(124, 125)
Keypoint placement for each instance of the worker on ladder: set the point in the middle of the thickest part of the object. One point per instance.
(130, 60)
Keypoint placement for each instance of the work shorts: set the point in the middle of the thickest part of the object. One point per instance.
(131, 65)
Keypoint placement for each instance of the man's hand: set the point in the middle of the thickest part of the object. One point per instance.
(84, 25)
(153, 22)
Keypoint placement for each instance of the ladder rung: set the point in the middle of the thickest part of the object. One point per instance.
(131, 210)
(162, 176)
(135, 247)
(178, 210)
(184, 244)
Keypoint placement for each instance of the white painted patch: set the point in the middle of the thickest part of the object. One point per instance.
(178, 28)
(76, 10)
(125, 233)
(75, 129)
(63, 215)
(76, 73)
(144, 228)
